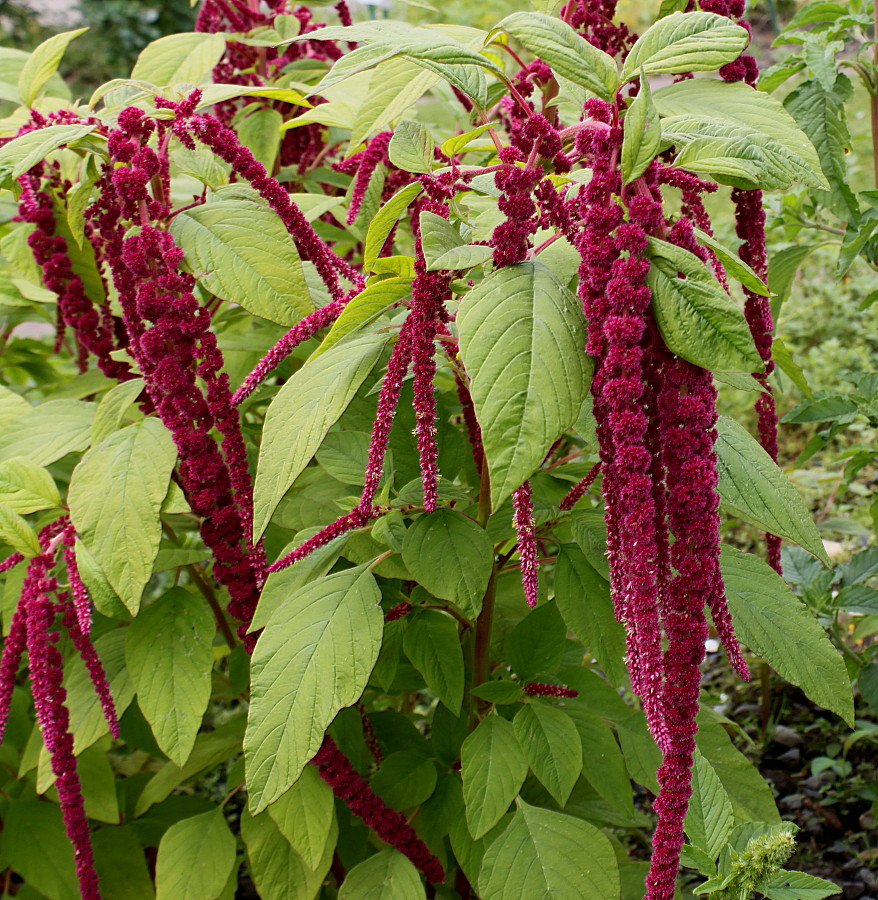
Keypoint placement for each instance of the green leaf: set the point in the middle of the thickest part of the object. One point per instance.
(195, 858)
(47, 432)
(87, 722)
(454, 145)
(260, 132)
(278, 871)
(302, 413)
(774, 623)
(121, 865)
(697, 319)
(522, 339)
(552, 747)
(737, 154)
(42, 64)
(783, 267)
(445, 249)
(602, 762)
(432, 644)
(376, 298)
(405, 780)
(211, 749)
(240, 250)
(411, 148)
(499, 691)
(450, 556)
(24, 152)
(35, 845)
(569, 54)
(17, 533)
(780, 353)
(186, 57)
(493, 768)
(26, 487)
(797, 886)
(583, 598)
(642, 136)
(754, 488)
(546, 855)
(710, 818)
(169, 656)
(733, 264)
(313, 658)
(738, 104)
(685, 42)
(113, 406)
(387, 875)
(115, 495)
(536, 644)
(383, 223)
(305, 815)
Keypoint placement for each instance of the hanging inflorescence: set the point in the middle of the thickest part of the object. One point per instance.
(44, 603)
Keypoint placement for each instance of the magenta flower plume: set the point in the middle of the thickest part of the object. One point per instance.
(523, 518)
(388, 824)
(369, 735)
(78, 590)
(539, 689)
(577, 492)
(14, 646)
(10, 561)
(400, 611)
(364, 163)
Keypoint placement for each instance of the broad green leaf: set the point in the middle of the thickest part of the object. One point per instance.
(47, 432)
(493, 768)
(738, 153)
(115, 495)
(547, 855)
(260, 132)
(522, 339)
(733, 264)
(302, 413)
(278, 871)
(405, 780)
(24, 152)
(798, 886)
(112, 408)
(737, 104)
(602, 762)
(383, 223)
(106, 601)
(121, 865)
(583, 598)
(240, 250)
(642, 135)
(36, 846)
(42, 64)
(783, 266)
(569, 54)
(450, 556)
(697, 319)
(754, 488)
(305, 815)
(15, 531)
(186, 57)
(774, 623)
(784, 360)
(87, 722)
(377, 297)
(411, 148)
(344, 454)
(387, 875)
(12, 406)
(211, 749)
(499, 691)
(26, 487)
(195, 858)
(551, 744)
(169, 656)
(313, 658)
(432, 644)
(685, 42)
(710, 818)
(536, 644)
(454, 145)
(281, 584)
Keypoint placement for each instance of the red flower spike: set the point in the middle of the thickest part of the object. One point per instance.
(577, 492)
(538, 689)
(388, 824)
(523, 518)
